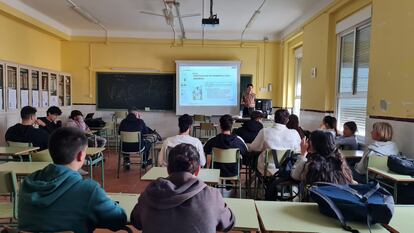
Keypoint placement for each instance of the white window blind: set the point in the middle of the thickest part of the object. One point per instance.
(353, 77)
(298, 82)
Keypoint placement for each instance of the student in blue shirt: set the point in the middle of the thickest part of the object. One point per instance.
(348, 141)
(56, 198)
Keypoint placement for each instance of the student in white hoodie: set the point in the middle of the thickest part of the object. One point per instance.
(184, 124)
(382, 146)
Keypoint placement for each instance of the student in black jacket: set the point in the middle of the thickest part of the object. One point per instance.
(250, 128)
(133, 123)
(50, 123)
(226, 140)
(25, 132)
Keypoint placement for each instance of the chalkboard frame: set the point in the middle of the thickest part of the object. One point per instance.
(137, 73)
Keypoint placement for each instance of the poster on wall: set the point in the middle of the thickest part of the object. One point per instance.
(24, 97)
(35, 98)
(12, 98)
(53, 101)
(45, 98)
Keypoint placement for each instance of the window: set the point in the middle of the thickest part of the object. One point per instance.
(298, 81)
(353, 76)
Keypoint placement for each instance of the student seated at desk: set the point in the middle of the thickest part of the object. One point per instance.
(56, 198)
(134, 123)
(181, 202)
(278, 137)
(293, 123)
(320, 161)
(348, 141)
(25, 132)
(76, 121)
(250, 128)
(184, 124)
(226, 140)
(330, 124)
(50, 123)
(382, 146)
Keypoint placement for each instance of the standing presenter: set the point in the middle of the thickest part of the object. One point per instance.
(248, 101)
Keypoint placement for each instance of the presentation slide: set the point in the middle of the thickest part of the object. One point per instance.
(208, 85)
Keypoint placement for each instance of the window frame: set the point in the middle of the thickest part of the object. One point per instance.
(354, 93)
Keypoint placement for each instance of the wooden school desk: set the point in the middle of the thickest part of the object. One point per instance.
(23, 168)
(302, 217)
(395, 178)
(210, 176)
(16, 151)
(243, 209)
(352, 154)
(402, 220)
(127, 201)
(245, 212)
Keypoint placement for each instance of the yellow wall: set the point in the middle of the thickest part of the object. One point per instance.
(319, 51)
(83, 57)
(24, 44)
(392, 59)
(289, 69)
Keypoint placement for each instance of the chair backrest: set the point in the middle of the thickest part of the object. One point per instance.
(199, 118)
(120, 114)
(237, 125)
(19, 144)
(130, 137)
(207, 130)
(379, 162)
(225, 155)
(269, 158)
(8, 185)
(42, 156)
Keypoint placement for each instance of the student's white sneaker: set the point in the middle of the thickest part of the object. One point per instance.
(83, 172)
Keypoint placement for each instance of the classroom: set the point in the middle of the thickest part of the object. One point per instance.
(206, 115)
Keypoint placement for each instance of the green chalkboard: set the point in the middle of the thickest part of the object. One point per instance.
(123, 90)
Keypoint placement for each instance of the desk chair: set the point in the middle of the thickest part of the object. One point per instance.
(227, 156)
(21, 144)
(267, 177)
(42, 156)
(8, 186)
(117, 117)
(207, 131)
(131, 137)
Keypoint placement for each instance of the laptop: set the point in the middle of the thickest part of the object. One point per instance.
(89, 116)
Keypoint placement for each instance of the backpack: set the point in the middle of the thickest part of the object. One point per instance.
(367, 203)
(95, 123)
(285, 165)
(401, 165)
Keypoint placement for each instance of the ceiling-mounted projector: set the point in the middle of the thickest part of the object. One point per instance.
(212, 20)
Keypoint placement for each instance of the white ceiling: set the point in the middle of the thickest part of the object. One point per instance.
(122, 17)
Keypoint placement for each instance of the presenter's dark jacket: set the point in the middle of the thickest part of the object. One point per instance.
(224, 141)
(28, 133)
(132, 124)
(249, 130)
(50, 125)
